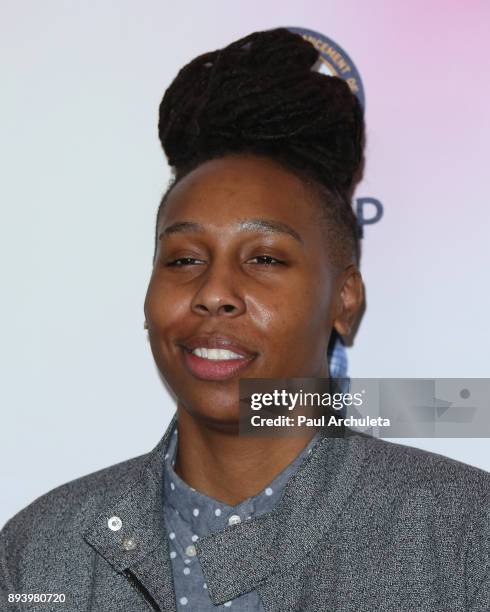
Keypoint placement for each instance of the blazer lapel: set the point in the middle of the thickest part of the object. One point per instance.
(240, 557)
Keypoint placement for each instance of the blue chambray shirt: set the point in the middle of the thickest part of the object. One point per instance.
(190, 515)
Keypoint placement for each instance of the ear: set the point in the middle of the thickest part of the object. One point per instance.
(349, 299)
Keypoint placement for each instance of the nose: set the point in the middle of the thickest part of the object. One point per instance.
(217, 294)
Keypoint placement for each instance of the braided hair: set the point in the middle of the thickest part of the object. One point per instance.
(262, 95)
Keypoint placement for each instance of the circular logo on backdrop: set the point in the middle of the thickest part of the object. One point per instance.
(334, 61)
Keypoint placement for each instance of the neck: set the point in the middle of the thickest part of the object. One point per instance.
(229, 467)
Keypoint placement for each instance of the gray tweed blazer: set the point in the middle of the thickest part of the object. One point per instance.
(363, 525)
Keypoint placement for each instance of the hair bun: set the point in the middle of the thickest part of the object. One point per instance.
(260, 93)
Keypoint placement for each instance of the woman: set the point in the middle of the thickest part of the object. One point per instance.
(255, 266)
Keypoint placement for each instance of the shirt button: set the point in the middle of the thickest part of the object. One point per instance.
(114, 523)
(234, 519)
(190, 551)
(129, 543)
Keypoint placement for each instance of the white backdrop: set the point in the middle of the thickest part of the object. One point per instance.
(82, 173)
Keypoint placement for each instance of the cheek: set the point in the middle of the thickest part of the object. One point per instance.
(307, 323)
(162, 305)
(294, 321)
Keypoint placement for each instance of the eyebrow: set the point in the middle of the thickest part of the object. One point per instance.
(266, 226)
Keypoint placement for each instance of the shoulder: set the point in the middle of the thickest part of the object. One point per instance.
(452, 486)
(68, 508)
(437, 500)
(45, 544)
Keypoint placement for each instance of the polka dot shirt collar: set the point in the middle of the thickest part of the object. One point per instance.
(206, 515)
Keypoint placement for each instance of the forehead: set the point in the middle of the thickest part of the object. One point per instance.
(220, 191)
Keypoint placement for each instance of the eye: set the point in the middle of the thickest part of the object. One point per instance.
(179, 265)
(271, 261)
(276, 261)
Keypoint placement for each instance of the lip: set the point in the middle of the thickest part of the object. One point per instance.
(218, 341)
(215, 369)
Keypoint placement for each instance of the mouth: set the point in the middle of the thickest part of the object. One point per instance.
(215, 364)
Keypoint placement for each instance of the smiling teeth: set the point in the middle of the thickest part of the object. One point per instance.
(217, 354)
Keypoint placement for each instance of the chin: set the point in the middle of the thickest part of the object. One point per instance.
(225, 415)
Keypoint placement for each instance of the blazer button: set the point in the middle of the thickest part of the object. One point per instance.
(129, 543)
(114, 523)
(234, 519)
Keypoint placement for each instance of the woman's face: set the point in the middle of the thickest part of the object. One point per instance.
(252, 269)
